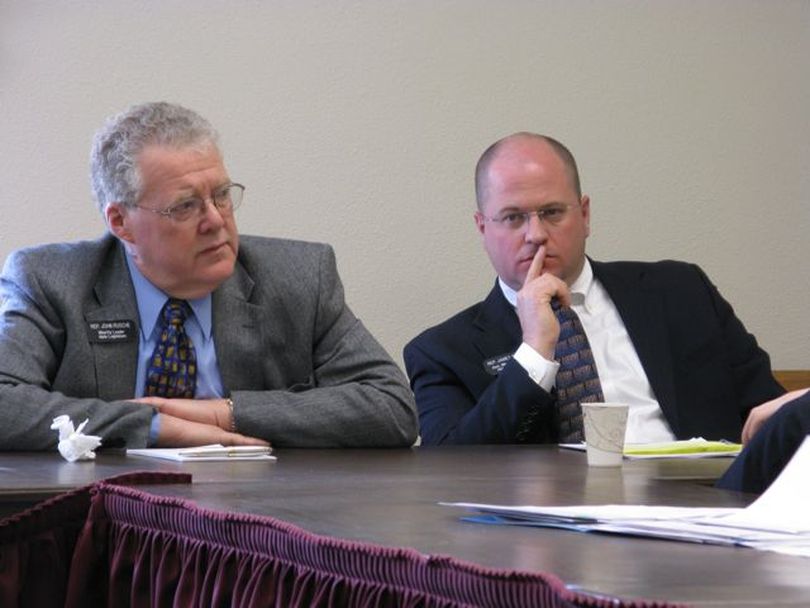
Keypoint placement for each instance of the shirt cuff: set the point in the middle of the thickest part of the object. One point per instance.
(540, 369)
(154, 429)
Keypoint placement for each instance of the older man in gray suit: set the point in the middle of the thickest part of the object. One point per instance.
(172, 330)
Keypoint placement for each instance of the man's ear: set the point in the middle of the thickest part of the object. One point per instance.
(585, 206)
(480, 223)
(117, 218)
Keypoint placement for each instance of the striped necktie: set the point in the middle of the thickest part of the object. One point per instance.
(172, 371)
(577, 379)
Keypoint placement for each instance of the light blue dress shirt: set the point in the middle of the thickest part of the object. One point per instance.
(199, 328)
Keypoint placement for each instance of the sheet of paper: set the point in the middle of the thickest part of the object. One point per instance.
(206, 453)
(785, 505)
(593, 513)
(778, 521)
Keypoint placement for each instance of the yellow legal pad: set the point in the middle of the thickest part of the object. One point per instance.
(697, 447)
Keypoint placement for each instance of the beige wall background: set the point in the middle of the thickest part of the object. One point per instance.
(358, 122)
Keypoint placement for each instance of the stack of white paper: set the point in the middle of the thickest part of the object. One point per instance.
(778, 521)
(206, 453)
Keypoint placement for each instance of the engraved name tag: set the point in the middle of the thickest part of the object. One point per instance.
(111, 331)
(496, 364)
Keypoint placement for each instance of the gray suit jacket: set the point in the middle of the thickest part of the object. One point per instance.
(301, 369)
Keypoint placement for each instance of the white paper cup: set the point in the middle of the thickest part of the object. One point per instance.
(605, 425)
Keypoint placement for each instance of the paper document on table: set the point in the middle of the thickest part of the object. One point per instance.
(696, 447)
(207, 453)
(785, 505)
(778, 521)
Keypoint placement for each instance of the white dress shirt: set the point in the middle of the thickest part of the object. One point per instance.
(620, 372)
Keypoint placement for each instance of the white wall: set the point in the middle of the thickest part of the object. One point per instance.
(358, 122)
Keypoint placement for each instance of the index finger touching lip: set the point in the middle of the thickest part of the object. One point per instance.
(536, 268)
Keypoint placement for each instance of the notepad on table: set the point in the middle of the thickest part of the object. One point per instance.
(696, 447)
(207, 453)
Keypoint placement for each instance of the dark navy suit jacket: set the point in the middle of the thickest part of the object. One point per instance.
(761, 461)
(705, 369)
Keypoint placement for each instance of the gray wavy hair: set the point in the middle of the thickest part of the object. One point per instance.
(114, 172)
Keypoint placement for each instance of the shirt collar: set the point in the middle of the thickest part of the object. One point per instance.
(580, 288)
(150, 301)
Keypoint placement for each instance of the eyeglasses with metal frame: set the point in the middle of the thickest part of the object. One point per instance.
(550, 216)
(226, 199)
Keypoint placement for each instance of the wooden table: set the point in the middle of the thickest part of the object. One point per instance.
(27, 478)
(390, 497)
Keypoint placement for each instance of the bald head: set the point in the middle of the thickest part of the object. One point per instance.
(516, 149)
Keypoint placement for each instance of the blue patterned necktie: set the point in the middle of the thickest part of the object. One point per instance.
(577, 379)
(172, 371)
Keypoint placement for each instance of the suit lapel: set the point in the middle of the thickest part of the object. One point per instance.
(642, 311)
(498, 326)
(115, 362)
(239, 332)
